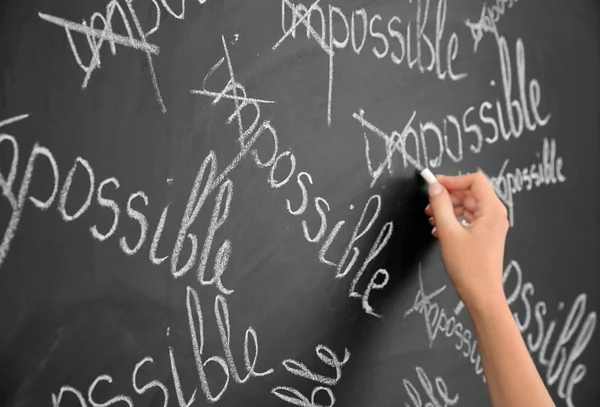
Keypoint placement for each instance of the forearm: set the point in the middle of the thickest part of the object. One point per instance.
(511, 376)
(473, 257)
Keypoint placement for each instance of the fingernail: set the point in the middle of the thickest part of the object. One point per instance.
(434, 231)
(427, 208)
(435, 190)
(430, 221)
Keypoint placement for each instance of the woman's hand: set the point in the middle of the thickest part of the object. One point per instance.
(473, 254)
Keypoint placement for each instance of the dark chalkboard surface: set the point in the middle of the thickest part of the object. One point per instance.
(217, 201)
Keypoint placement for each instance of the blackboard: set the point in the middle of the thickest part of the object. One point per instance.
(217, 202)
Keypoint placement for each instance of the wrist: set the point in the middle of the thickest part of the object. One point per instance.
(487, 304)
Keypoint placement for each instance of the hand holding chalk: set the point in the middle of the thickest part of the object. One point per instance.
(428, 176)
(473, 255)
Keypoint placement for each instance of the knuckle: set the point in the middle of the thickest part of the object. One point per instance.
(479, 177)
(502, 211)
(501, 218)
(505, 224)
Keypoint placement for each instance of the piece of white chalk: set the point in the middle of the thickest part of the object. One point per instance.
(428, 176)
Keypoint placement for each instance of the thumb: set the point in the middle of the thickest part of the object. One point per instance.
(442, 208)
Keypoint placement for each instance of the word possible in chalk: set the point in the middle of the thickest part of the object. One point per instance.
(207, 181)
(425, 305)
(99, 30)
(548, 171)
(425, 144)
(490, 15)
(438, 396)
(558, 366)
(422, 52)
(325, 236)
(100, 194)
(225, 364)
(324, 383)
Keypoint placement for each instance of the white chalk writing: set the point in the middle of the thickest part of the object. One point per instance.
(324, 36)
(295, 367)
(438, 397)
(560, 368)
(549, 170)
(235, 92)
(96, 38)
(490, 15)
(447, 140)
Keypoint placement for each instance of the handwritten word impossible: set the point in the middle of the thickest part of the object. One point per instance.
(99, 30)
(423, 52)
(558, 367)
(547, 171)
(488, 20)
(521, 113)
(235, 92)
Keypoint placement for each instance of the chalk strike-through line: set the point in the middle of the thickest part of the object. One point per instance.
(13, 120)
(459, 308)
(101, 34)
(228, 96)
(304, 19)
